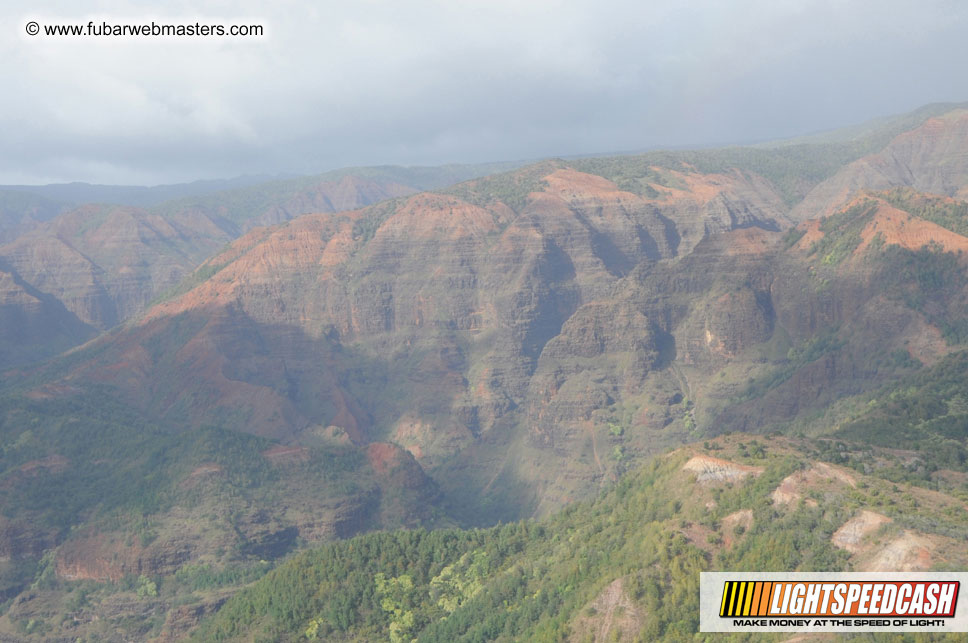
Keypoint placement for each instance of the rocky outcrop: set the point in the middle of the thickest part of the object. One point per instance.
(851, 534)
(34, 324)
(891, 226)
(794, 487)
(109, 557)
(407, 493)
(710, 470)
(577, 373)
(701, 205)
(725, 325)
(106, 263)
(459, 322)
(910, 552)
(21, 537)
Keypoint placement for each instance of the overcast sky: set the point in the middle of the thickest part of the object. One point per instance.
(336, 83)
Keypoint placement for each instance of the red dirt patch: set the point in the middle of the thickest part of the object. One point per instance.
(283, 454)
(94, 557)
(926, 344)
(396, 467)
(383, 456)
(572, 184)
(49, 391)
(811, 234)
(346, 416)
(701, 188)
(436, 216)
(698, 534)
(204, 470)
(893, 226)
(109, 556)
(742, 518)
(952, 477)
(51, 464)
(705, 187)
(897, 227)
(339, 248)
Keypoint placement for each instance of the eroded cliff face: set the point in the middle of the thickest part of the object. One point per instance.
(106, 263)
(536, 338)
(34, 323)
(478, 336)
(929, 158)
(465, 297)
(97, 266)
(701, 205)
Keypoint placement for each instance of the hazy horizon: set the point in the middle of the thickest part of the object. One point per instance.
(433, 83)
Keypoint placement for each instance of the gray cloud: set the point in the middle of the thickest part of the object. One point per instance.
(382, 81)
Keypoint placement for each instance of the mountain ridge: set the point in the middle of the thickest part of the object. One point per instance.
(106, 263)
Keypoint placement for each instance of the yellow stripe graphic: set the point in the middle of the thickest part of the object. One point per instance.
(749, 598)
(746, 598)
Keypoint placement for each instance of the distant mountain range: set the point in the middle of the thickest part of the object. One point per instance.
(136, 195)
(71, 271)
(423, 178)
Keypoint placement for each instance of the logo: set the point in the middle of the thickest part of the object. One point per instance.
(831, 602)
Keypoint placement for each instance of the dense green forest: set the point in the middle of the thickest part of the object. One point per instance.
(927, 413)
(653, 532)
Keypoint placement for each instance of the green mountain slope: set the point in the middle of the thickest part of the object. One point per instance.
(623, 567)
(95, 498)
